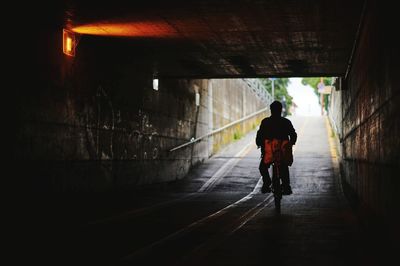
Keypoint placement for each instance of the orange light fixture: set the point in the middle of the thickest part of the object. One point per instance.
(69, 42)
(128, 29)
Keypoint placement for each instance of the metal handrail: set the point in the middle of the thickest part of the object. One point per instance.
(257, 87)
(219, 129)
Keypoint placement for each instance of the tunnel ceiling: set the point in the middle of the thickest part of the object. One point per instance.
(226, 38)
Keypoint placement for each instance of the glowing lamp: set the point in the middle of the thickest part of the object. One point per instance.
(155, 84)
(69, 42)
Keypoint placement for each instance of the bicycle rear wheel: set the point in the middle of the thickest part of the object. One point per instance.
(276, 187)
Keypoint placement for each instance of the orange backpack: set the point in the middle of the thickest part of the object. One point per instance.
(279, 151)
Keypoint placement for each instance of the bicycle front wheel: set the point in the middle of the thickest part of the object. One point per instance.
(276, 186)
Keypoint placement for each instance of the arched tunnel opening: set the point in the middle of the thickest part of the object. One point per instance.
(136, 130)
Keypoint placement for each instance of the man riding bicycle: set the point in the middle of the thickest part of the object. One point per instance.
(278, 128)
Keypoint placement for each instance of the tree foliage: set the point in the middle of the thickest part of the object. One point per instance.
(313, 82)
(280, 89)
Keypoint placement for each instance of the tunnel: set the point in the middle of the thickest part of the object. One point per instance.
(135, 127)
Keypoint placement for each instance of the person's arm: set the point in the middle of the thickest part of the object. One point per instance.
(260, 135)
(292, 134)
(259, 138)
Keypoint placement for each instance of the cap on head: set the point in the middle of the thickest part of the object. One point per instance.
(276, 108)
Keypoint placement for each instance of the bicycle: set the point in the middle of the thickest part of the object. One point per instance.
(280, 152)
(276, 187)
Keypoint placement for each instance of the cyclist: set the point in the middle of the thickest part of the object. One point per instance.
(280, 128)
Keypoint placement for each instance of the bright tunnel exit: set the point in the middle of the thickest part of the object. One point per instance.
(305, 98)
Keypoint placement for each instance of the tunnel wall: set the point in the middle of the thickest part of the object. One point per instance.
(371, 124)
(94, 122)
(335, 108)
(232, 99)
(335, 114)
(102, 127)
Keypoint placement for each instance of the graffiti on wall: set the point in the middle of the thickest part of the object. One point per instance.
(111, 136)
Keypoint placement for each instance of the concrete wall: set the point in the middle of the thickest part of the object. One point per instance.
(94, 122)
(232, 99)
(104, 127)
(335, 114)
(371, 111)
(335, 108)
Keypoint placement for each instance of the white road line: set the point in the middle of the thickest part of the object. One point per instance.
(198, 223)
(225, 169)
(212, 182)
(258, 186)
(227, 231)
(250, 214)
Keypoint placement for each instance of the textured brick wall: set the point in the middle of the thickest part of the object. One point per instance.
(371, 111)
